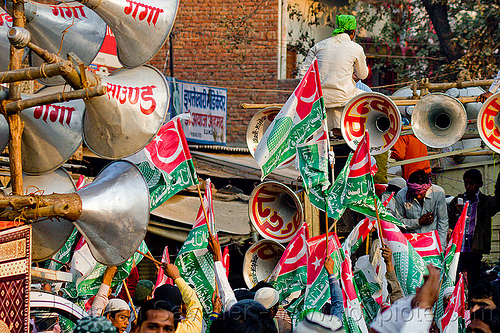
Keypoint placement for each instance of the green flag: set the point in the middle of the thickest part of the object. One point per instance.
(195, 263)
(166, 163)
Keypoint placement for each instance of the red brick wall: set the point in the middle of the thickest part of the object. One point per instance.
(229, 44)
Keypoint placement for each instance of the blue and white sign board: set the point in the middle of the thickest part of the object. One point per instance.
(207, 107)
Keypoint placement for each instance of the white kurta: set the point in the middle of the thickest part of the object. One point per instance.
(338, 58)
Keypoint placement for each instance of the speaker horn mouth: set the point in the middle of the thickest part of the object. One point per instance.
(383, 124)
(442, 121)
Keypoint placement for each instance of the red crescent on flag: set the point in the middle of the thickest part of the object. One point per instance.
(166, 149)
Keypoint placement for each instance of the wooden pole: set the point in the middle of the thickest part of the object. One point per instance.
(149, 257)
(129, 298)
(326, 228)
(33, 73)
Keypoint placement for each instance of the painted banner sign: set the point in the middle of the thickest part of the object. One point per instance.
(207, 107)
(15, 263)
(488, 123)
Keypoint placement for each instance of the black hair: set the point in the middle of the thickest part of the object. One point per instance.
(481, 290)
(350, 32)
(158, 304)
(475, 175)
(490, 317)
(169, 293)
(246, 316)
(419, 177)
(45, 324)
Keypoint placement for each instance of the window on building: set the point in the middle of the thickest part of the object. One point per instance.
(291, 63)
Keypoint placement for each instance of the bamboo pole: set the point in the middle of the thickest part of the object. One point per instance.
(33, 73)
(149, 257)
(55, 98)
(378, 222)
(129, 298)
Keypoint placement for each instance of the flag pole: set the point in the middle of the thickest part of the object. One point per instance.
(129, 298)
(204, 210)
(326, 225)
(378, 221)
(149, 257)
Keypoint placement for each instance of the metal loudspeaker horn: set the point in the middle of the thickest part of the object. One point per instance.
(375, 113)
(438, 120)
(488, 122)
(275, 211)
(260, 260)
(128, 117)
(115, 213)
(49, 235)
(63, 28)
(5, 25)
(140, 26)
(52, 133)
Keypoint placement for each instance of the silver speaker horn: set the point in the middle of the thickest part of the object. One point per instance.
(275, 211)
(5, 25)
(49, 235)
(140, 26)
(63, 28)
(260, 260)
(438, 120)
(115, 213)
(52, 133)
(128, 117)
(375, 113)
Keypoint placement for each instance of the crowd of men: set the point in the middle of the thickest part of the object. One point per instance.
(418, 203)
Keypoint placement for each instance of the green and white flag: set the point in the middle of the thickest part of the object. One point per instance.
(300, 117)
(290, 274)
(166, 163)
(357, 191)
(313, 166)
(195, 263)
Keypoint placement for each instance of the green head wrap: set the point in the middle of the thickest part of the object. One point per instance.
(143, 289)
(344, 23)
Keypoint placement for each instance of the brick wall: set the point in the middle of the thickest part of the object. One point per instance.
(229, 44)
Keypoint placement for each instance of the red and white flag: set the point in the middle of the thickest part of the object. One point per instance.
(453, 320)
(162, 278)
(428, 245)
(225, 260)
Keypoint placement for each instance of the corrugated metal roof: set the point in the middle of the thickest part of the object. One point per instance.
(230, 216)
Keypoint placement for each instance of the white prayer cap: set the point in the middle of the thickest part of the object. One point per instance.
(116, 304)
(319, 322)
(398, 182)
(267, 296)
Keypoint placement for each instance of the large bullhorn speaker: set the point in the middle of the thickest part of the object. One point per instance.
(275, 211)
(115, 213)
(375, 113)
(63, 28)
(488, 122)
(49, 235)
(140, 26)
(5, 25)
(260, 260)
(128, 117)
(52, 133)
(438, 120)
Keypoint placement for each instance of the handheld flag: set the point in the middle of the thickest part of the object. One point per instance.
(166, 163)
(195, 263)
(162, 279)
(453, 320)
(427, 244)
(301, 116)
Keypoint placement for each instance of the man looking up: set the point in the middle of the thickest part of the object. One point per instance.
(477, 233)
(340, 62)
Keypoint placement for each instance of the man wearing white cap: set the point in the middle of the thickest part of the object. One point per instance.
(118, 313)
(269, 298)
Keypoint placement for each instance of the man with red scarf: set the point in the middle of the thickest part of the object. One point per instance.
(421, 206)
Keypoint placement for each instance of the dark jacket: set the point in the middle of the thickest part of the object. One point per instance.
(487, 207)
